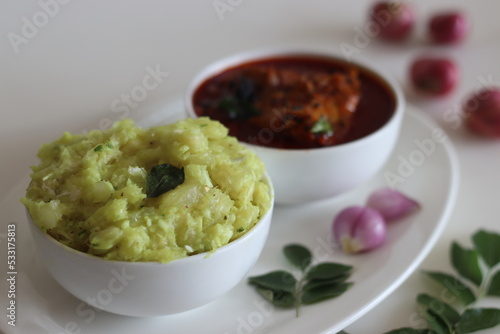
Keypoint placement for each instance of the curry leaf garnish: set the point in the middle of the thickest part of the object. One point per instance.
(163, 178)
(245, 90)
(479, 275)
(100, 147)
(237, 109)
(316, 282)
(239, 105)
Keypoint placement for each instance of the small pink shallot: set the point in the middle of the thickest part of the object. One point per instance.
(448, 27)
(482, 111)
(358, 229)
(434, 76)
(391, 203)
(395, 21)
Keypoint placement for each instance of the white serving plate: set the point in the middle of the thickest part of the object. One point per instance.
(422, 166)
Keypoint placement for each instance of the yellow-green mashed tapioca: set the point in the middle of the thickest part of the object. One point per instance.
(157, 194)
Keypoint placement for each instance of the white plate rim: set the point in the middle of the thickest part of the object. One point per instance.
(451, 156)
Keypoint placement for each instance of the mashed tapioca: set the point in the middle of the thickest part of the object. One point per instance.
(89, 191)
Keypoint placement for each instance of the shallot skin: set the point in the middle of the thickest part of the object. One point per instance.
(391, 203)
(482, 111)
(396, 21)
(448, 27)
(434, 76)
(359, 229)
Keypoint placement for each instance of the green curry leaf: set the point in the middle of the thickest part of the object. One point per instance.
(446, 313)
(466, 262)
(494, 286)
(236, 108)
(453, 285)
(320, 282)
(277, 280)
(408, 330)
(476, 319)
(488, 246)
(277, 297)
(163, 178)
(327, 271)
(318, 293)
(479, 266)
(436, 322)
(316, 282)
(298, 255)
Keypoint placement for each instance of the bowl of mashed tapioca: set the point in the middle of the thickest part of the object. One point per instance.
(169, 217)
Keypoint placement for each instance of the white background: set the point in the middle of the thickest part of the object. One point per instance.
(68, 73)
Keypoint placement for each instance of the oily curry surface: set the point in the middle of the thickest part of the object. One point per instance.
(296, 102)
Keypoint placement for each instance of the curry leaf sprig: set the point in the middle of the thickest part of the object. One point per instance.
(316, 283)
(478, 271)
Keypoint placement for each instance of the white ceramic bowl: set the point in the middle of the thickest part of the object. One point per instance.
(147, 289)
(304, 175)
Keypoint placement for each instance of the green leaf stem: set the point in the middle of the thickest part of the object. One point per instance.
(317, 283)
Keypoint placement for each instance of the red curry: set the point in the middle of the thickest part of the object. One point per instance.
(296, 102)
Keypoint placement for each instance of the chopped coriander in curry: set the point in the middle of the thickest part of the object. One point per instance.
(90, 192)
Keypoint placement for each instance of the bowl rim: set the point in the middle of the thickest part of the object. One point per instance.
(243, 57)
(176, 262)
